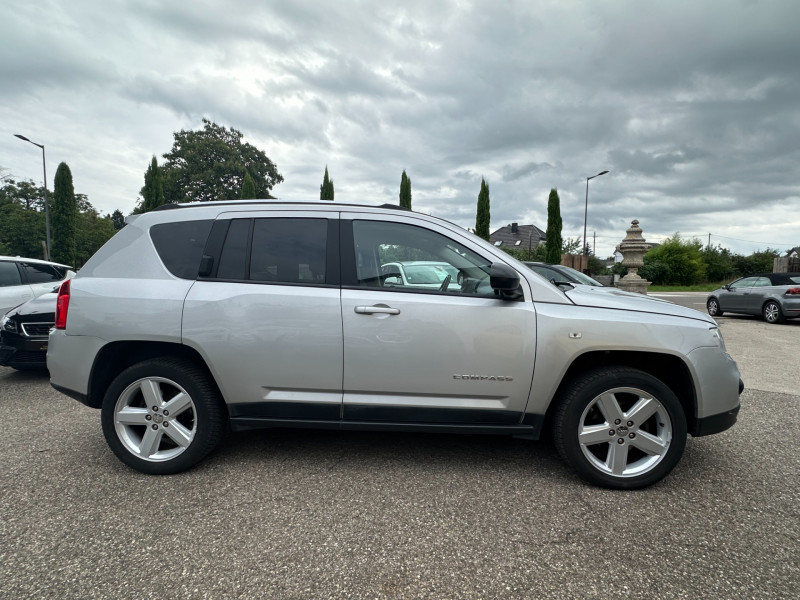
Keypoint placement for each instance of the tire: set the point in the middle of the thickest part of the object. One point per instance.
(713, 307)
(772, 312)
(162, 416)
(597, 432)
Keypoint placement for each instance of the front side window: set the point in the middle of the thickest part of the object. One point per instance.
(9, 274)
(405, 257)
(743, 283)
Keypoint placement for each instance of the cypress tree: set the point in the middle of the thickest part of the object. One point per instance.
(153, 190)
(483, 216)
(553, 241)
(405, 191)
(248, 187)
(63, 217)
(326, 189)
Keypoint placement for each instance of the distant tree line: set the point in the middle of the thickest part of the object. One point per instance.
(678, 261)
(77, 228)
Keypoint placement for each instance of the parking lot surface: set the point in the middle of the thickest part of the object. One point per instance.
(310, 514)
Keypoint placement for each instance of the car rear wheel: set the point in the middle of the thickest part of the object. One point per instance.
(162, 416)
(772, 312)
(713, 307)
(619, 428)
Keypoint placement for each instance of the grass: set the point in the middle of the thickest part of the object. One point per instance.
(700, 287)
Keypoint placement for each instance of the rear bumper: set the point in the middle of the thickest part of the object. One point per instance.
(715, 423)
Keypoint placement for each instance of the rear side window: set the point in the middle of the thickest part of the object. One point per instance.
(180, 245)
(37, 273)
(275, 250)
(9, 274)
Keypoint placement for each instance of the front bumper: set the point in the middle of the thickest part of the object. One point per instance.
(23, 352)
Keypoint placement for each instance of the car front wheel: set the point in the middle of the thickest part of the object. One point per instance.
(772, 312)
(713, 307)
(162, 416)
(619, 428)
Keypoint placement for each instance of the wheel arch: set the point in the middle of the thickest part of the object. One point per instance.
(667, 368)
(115, 357)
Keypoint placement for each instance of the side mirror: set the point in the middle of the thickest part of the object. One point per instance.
(505, 281)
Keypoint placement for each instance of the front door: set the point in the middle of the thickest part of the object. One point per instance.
(452, 352)
(735, 298)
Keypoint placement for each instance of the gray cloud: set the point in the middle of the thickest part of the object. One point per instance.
(691, 106)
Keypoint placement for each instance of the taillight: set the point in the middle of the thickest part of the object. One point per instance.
(793, 292)
(62, 305)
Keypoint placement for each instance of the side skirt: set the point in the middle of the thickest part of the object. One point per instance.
(528, 430)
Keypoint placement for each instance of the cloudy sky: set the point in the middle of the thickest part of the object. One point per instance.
(693, 106)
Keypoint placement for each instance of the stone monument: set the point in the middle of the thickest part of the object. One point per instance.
(633, 249)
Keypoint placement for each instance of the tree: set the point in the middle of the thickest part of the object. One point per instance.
(117, 219)
(719, 263)
(482, 216)
(211, 163)
(553, 241)
(248, 187)
(93, 231)
(326, 189)
(675, 262)
(405, 191)
(760, 261)
(63, 217)
(153, 190)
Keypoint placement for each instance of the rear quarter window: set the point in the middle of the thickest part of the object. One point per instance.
(180, 245)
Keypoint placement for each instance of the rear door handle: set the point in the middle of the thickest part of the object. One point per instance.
(380, 309)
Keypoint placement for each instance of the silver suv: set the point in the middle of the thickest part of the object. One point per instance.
(274, 314)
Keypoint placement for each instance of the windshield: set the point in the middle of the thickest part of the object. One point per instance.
(581, 278)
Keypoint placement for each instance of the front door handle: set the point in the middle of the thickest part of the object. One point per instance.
(380, 309)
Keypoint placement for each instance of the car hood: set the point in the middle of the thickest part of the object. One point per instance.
(46, 303)
(608, 297)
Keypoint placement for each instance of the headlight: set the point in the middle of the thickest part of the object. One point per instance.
(7, 324)
(717, 335)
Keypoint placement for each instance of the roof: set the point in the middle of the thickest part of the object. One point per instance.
(37, 261)
(526, 236)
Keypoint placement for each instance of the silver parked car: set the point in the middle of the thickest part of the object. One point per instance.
(775, 296)
(256, 314)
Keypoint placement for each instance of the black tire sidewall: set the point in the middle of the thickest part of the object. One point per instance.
(209, 415)
(576, 398)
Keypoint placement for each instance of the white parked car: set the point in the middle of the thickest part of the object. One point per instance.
(22, 279)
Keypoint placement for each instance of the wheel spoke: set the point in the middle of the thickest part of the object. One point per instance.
(594, 434)
(151, 441)
(178, 404)
(609, 407)
(649, 444)
(152, 393)
(617, 458)
(642, 410)
(179, 434)
(130, 415)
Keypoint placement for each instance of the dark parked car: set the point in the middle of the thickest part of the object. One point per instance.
(561, 274)
(775, 296)
(24, 331)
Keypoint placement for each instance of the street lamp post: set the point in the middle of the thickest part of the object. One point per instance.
(586, 207)
(46, 203)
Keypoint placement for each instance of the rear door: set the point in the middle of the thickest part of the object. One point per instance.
(266, 314)
(454, 355)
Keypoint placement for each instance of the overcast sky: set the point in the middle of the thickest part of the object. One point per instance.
(692, 106)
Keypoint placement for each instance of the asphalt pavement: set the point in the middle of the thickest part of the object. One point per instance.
(309, 514)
